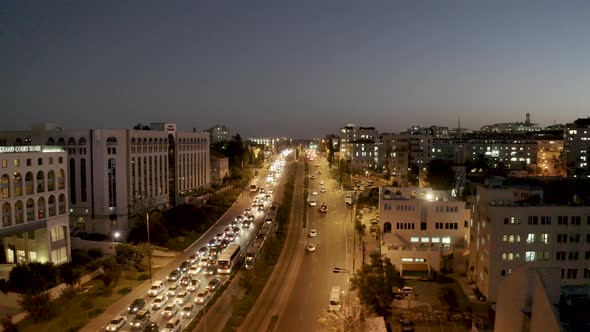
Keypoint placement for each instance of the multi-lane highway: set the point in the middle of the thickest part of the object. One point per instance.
(120, 308)
(311, 292)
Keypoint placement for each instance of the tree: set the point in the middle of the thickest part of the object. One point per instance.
(440, 174)
(374, 287)
(112, 272)
(70, 275)
(37, 305)
(33, 277)
(348, 319)
(7, 324)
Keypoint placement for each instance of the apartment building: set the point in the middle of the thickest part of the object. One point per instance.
(34, 205)
(394, 158)
(514, 224)
(511, 151)
(577, 146)
(359, 147)
(421, 225)
(218, 133)
(114, 173)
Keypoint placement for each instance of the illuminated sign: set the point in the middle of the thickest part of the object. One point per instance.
(30, 148)
(171, 127)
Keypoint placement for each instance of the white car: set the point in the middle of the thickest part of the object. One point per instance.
(170, 311)
(188, 310)
(315, 192)
(194, 270)
(323, 190)
(313, 203)
(202, 296)
(181, 297)
(321, 182)
(193, 285)
(203, 262)
(116, 323)
(310, 247)
(159, 302)
(313, 233)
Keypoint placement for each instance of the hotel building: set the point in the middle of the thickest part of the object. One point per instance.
(34, 205)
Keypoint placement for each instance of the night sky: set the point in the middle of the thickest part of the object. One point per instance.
(296, 68)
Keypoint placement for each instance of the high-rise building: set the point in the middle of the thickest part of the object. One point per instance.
(219, 133)
(359, 147)
(577, 147)
(34, 205)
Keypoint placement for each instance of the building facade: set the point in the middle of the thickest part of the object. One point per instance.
(577, 146)
(359, 147)
(512, 227)
(219, 133)
(219, 167)
(34, 205)
(115, 173)
(424, 225)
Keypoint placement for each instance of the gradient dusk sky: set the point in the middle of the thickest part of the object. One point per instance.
(293, 68)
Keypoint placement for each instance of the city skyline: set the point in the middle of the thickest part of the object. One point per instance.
(302, 69)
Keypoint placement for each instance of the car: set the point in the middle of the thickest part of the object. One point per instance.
(236, 230)
(312, 177)
(193, 258)
(313, 233)
(230, 238)
(203, 251)
(323, 190)
(174, 275)
(184, 281)
(213, 284)
(187, 311)
(310, 247)
(324, 208)
(254, 205)
(239, 219)
(152, 327)
(319, 173)
(203, 296)
(184, 266)
(407, 325)
(136, 306)
(260, 207)
(227, 231)
(193, 285)
(141, 320)
(248, 211)
(157, 287)
(173, 290)
(270, 191)
(219, 237)
(407, 290)
(194, 270)
(246, 225)
(203, 261)
(159, 302)
(212, 242)
(262, 191)
(313, 203)
(211, 269)
(170, 310)
(225, 243)
(182, 297)
(315, 192)
(116, 323)
(321, 182)
(173, 325)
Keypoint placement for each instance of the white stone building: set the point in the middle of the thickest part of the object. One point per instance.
(34, 205)
(424, 225)
(114, 173)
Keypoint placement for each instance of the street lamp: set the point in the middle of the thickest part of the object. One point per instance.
(147, 221)
(116, 236)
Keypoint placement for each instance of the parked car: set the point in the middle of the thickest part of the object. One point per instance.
(116, 323)
(136, 306)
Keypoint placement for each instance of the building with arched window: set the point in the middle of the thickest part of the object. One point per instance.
(34, 224)
(421, 225)
(115, 173)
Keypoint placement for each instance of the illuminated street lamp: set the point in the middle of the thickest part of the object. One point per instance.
(116, 236)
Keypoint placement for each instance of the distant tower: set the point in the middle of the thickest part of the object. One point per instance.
(528, 118)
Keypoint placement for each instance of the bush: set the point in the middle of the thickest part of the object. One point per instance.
(68, 292)
(94, 312)
(86, 304)
(95, 253)
(124, 291)
(7, 324)
(37, 305)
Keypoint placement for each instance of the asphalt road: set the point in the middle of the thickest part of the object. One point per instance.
(309, 298)
(120, 307)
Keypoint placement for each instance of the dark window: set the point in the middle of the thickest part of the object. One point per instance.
(112, 182)
(83, 186)
(422, 226)
(72, 181)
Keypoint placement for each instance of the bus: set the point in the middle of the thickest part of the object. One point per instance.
(229, 259)
(252, 253)
(335, 302)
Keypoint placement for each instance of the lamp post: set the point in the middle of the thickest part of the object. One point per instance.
(116, 236)
(147, 221)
